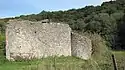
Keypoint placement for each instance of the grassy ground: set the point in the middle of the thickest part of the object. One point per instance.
(51, 63)
(103, 62)
(120, 59)
(60, 63)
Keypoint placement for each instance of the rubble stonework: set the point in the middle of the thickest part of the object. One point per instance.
(27, 40)
(81, 46)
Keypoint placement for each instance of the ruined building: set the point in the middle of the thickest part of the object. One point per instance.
(27, 40)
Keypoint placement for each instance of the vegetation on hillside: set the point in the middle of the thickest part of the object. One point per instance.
(104, 20)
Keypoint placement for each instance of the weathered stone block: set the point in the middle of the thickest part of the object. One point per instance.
(81, 46)
(26, 39)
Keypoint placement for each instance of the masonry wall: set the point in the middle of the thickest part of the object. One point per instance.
(26, 39)
(81, 46)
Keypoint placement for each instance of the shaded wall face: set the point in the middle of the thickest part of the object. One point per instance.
(25, 39)
(81, 46)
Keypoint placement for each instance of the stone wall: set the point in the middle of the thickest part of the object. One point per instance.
(81, 46)
(26, 39)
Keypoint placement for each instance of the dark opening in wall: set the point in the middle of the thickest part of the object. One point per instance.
(35, 32)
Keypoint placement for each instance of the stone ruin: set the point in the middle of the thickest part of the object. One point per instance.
(81, 46)
(28, 40)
